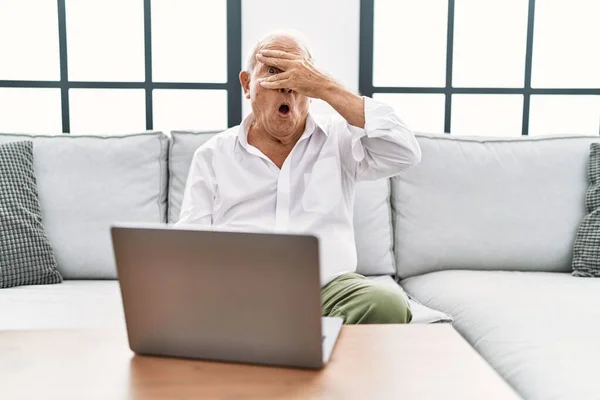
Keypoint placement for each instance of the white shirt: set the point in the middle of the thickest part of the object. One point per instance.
(234, 186)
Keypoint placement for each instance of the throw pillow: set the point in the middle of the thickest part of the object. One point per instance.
(586, 250)
(26, 257)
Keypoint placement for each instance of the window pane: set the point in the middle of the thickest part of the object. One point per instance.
(487, 114)
(421, 112)
(105, 40)
(190, 109)
(409, 45)
(566, 44)
(30, 110)
(486, 53)
(189, 41)
(29, 44)
(107, 111)
(555, 114)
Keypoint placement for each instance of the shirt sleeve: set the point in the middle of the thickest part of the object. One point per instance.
(385, 146)
(200, 190)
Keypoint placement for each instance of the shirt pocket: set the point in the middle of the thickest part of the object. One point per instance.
(323, 186)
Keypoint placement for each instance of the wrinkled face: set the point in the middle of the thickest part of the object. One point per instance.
(281, 112)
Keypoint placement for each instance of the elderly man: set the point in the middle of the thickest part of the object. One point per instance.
(281, 169)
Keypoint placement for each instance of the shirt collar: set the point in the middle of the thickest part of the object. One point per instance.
(311, 126)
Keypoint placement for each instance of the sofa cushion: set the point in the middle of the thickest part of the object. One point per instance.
(85, 304)
(483, 203)
(420, 313)
(86, 183)
(183, 147)
(82, 304)
(26, 257)
(372, 216)
(539, 330)
(586, 249)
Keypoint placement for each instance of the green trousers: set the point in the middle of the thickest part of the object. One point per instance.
(361, 301)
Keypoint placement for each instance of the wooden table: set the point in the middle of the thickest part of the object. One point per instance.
(369, 362)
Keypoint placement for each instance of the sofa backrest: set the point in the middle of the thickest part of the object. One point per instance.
(490, 204)
(86, 183)
(372, 217)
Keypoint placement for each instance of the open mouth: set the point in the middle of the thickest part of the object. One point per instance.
(284, 109)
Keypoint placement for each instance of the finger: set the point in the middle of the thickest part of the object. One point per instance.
(276, 77)
(279, 54)
(284, 83)
(280, 63)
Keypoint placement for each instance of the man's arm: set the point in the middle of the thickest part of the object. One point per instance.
(347, 103)
(380, 144)
(383, 147)
(200, 190)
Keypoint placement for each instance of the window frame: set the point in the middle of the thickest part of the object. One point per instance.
(366, 87)
(234, 63)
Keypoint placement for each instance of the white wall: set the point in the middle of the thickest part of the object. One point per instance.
(331, 26)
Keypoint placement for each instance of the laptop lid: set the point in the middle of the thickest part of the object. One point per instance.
(231, 296)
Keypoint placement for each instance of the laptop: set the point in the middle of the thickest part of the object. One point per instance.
(225, 296)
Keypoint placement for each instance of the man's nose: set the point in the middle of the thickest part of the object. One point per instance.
(284, 90)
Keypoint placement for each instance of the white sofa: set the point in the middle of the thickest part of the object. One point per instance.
(482, 230)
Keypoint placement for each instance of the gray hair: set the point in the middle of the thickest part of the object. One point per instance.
(298, 37)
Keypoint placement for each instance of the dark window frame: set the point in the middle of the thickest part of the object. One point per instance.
(367, 16)
(234, 63)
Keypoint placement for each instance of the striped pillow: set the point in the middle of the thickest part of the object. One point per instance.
(26, 257)
(586, 249)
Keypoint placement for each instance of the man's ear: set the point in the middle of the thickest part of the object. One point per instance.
(245, 82)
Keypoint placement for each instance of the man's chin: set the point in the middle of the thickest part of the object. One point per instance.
(283, 126)
(282, 120)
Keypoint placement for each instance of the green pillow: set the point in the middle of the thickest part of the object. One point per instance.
(26, 257)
